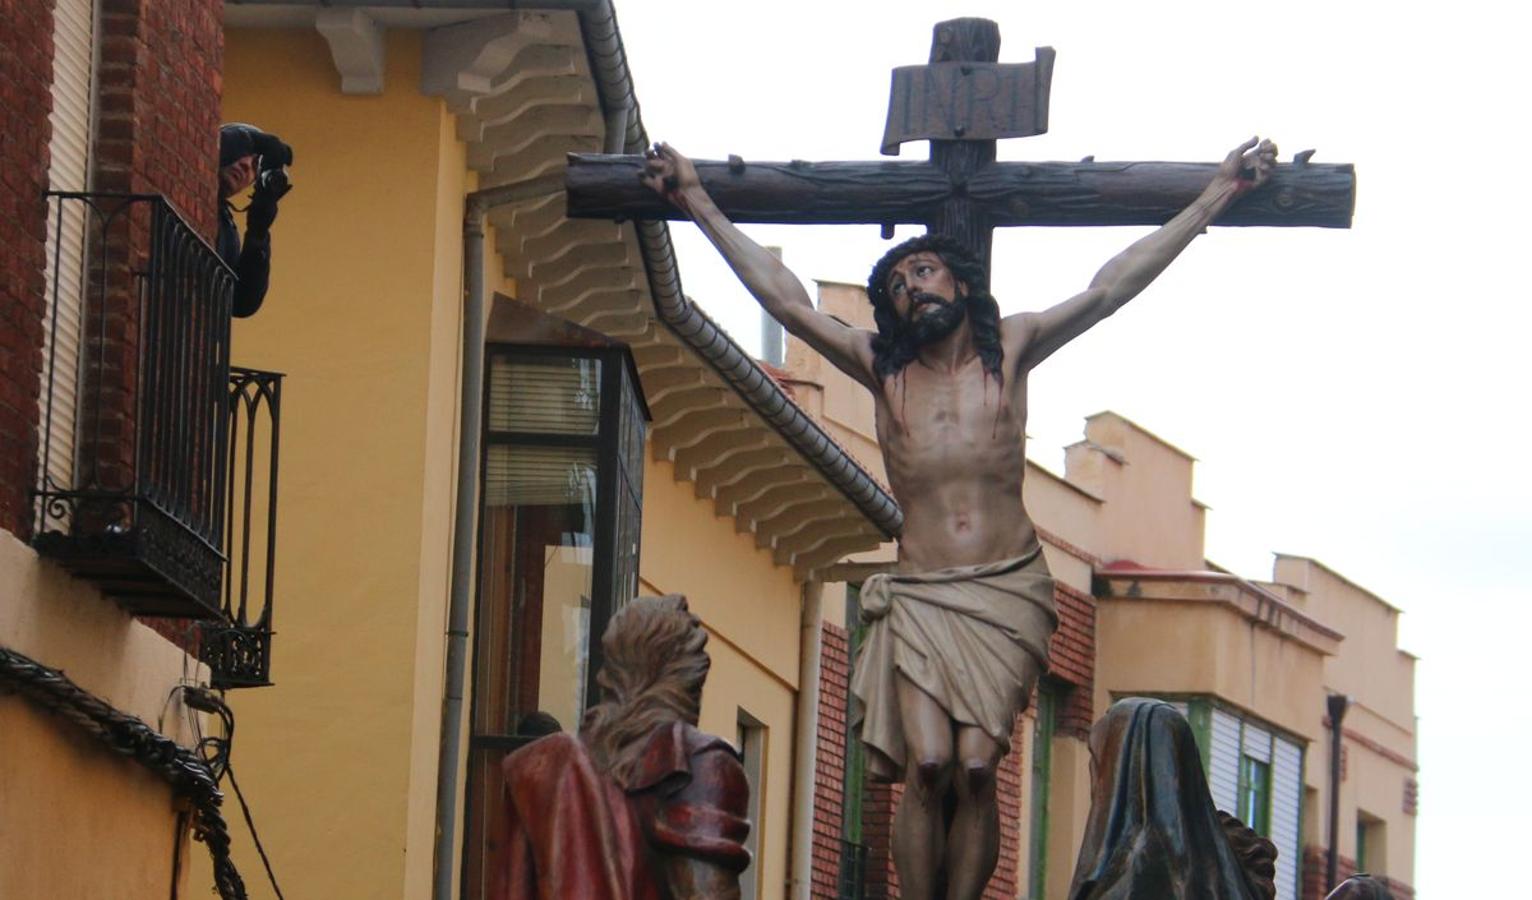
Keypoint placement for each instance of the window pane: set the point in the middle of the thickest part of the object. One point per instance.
(539, 476)
(555, 395)
(1255, 802)
(751, 735)
(535, 594)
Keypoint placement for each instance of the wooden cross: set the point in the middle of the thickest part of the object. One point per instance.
(962, 102)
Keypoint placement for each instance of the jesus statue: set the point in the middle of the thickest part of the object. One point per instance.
(958, 634)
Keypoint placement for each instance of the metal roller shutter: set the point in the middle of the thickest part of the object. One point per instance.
(1223, 761)
(69, 170)
(1286, 800)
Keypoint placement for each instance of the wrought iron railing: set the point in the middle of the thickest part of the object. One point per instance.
(137, 502)
(237, 648)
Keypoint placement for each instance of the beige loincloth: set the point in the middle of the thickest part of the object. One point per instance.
(962, 635)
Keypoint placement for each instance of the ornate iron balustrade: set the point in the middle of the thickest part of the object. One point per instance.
(137, 502)
(237, 648)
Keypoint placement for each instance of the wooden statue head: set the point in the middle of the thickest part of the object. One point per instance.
(652, 669)
(899, 339)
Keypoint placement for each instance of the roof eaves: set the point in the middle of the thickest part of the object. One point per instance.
(695, 329)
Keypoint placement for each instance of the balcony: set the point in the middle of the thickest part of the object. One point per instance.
(158, 462)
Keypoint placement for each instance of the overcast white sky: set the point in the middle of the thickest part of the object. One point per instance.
(1356, 396)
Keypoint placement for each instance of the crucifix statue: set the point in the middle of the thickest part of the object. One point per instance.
(959, 633)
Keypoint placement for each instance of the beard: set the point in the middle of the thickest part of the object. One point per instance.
(935, 324)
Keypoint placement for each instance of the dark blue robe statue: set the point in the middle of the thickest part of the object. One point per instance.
(1153, 832)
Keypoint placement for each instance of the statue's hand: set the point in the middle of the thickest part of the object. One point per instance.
(668, 173)
(1248, 166)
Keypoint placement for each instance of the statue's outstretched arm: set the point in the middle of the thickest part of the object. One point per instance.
(776, 288)
(1035, 336)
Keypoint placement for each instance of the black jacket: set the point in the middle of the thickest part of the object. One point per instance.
(251, 262)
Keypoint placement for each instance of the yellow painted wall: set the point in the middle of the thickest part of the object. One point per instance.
(76, 819)
(750, 608)
(735, 588)
(339, 758)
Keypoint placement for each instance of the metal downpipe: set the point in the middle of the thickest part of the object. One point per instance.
(464, 536)
(806, 741)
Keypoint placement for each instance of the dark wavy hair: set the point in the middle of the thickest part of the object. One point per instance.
(894, 347)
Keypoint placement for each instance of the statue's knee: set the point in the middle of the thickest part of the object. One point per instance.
(931, 774)
(978, 776)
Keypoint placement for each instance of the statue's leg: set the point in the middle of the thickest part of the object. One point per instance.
(973, 844)
(919, 832)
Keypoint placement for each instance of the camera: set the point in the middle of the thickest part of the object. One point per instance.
(275, 156)
(272, 181)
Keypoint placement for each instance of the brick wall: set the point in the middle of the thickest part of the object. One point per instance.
(158, 106)
(26, 75)
(1009, 777)
(878, 831)
(830, 759)
(160, 97)
(1073, 660)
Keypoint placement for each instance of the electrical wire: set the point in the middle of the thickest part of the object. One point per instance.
(250, 821)
(216, 751)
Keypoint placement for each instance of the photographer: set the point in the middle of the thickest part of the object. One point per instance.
(249, 156)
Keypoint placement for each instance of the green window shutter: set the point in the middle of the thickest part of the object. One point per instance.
(1042, 771)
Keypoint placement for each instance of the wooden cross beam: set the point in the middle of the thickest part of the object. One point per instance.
(962, 102)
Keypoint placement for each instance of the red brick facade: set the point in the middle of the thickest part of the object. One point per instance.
(160, 97)
(1073, 660)
(158, 103)
(26, 76)
(830, 759)
(157, 133)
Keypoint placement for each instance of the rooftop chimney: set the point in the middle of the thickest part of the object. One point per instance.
(771, 329)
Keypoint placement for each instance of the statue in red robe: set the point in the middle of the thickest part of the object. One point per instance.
(642, 805)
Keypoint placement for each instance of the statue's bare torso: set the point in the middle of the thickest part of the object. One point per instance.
(954, 448)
